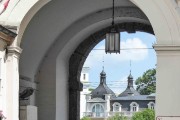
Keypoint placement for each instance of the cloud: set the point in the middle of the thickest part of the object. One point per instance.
(127, 53)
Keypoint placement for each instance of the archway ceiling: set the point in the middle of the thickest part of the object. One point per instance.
(62, 18)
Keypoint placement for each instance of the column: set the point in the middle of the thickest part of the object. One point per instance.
(12, 82)
(107, 98)
(168, 81)
(3, 45)
(88, 105)
(7, 75)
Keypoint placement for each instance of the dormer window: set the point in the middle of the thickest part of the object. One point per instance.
(134, 107)
(116, 107)
(151, 105)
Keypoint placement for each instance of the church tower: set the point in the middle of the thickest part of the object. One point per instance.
(102, 89)
(130, 91)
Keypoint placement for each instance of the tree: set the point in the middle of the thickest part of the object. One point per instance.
(91, 89)
(147, 114)
(85, 118)
(146, 84)
(118, 117)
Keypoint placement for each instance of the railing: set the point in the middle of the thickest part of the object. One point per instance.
(107, 114)
(95, 114)
(124, 113)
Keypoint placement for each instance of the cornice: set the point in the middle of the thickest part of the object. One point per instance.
(167, 47)
(7, 35)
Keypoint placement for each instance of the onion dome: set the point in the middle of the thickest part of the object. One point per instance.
(130, 89)
(102, 89)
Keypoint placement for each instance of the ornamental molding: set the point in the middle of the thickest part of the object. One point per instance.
(11, 50)
(166, 47)
(7, 35)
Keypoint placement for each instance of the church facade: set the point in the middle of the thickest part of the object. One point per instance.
(102, 102)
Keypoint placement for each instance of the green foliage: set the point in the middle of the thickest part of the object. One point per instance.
(146, 83)
(91, 89)
(118, 117)
(147, 114)
(85, 118)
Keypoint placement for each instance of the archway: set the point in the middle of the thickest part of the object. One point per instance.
(79, 56)
(60, 41)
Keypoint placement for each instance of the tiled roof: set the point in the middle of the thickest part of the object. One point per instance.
(138, 97)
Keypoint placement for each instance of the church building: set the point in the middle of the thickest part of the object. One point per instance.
(102, 102)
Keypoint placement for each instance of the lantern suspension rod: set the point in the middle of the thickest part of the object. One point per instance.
(113, 15)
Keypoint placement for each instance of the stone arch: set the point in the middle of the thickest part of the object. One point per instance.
(162, 19)
(77, 85)
(27, 18)
(79, 56)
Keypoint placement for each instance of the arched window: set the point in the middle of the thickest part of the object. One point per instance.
(151, 105)
(98, 110)
(134, 107)
(116, 107)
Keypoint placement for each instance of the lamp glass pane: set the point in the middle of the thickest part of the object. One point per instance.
(107, 42)
(117, 42)
(112, 42)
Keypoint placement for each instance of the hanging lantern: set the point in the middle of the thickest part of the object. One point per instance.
(112, 42)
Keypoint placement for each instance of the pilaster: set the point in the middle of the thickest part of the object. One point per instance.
(107, 98)
(8, 70)
(168, 80)
(12, 82)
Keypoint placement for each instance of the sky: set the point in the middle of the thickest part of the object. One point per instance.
(117, 66)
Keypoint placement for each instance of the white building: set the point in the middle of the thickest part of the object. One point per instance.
(54, 37)
(102, 102)
(86, 85)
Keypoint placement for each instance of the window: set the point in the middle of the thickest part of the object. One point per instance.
(116, 107)
(84, 76)
(134, 107)
(151, 105)
(98, 110)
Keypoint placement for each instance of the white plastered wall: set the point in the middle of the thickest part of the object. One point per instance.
(165, 22)
(3, 83)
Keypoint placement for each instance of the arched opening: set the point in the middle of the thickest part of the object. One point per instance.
(136, 52)
(79, 56)
(97, 110)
